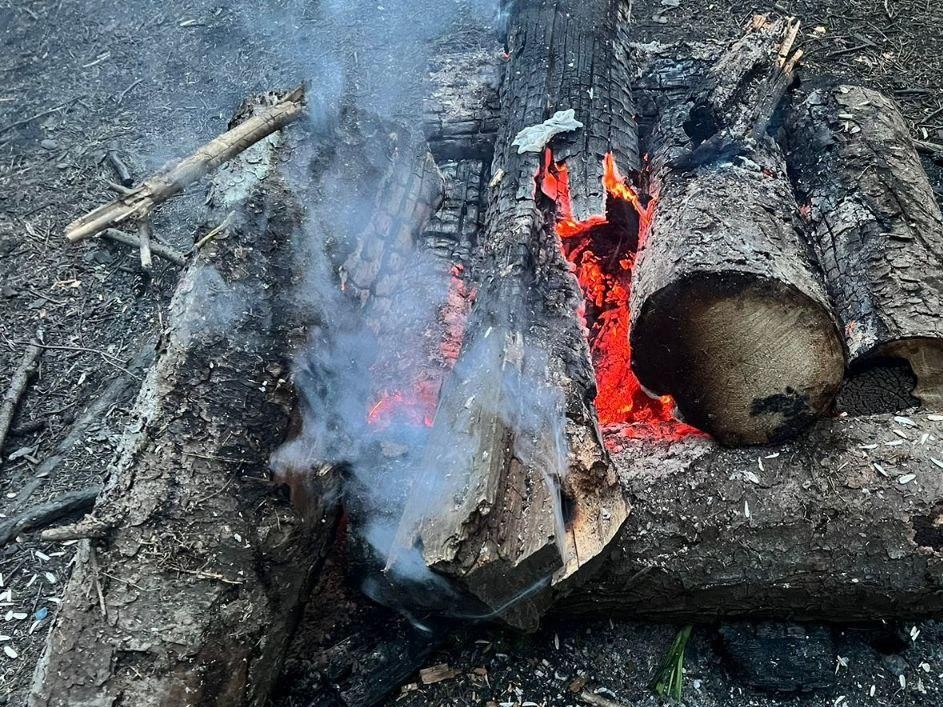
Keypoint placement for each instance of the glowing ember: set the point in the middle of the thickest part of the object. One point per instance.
(417, 404)
(602, 256)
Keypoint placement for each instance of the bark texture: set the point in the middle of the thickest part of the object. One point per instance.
(842, 525)
(728, 315)
(515, 431)
(191, 596)
(876, 226)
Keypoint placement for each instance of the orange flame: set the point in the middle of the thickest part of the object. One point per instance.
(603, 268)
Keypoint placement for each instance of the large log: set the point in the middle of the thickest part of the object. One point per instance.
(842, 524)
(191, 595)
(876, 225)
(728, 315)
(527, 492)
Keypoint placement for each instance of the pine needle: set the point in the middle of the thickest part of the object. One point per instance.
(668, 680)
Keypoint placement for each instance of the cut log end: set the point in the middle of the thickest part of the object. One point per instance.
(925, 356)
(749, 361)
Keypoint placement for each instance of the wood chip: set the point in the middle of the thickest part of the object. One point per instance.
(437, 673)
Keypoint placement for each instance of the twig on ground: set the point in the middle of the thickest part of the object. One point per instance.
(161, 251)
(144, 239)
(85, 529)
(49, 512)
(120, 168)
(215, 232)
(41, 114)
(98, 586)
(93, 414)
(18, 383)
(155, 190)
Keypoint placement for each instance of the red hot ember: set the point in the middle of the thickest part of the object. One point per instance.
(602, 255)
(416, 404)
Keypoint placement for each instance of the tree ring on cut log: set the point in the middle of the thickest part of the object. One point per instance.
(749, 360)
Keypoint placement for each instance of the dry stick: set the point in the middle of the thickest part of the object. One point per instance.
(215, 232)
(94, 413)
(144, 239)
(46, 513)
(12, 397)
(158, 249)
(164, 185)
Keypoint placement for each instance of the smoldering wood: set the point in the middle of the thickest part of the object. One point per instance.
(198, 543)
(875, 221)
(18, 382)
(138, 204)
(841, 525)
(728, 313)
(503, 536)
(48, 512)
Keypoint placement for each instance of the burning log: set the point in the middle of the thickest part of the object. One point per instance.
(138, 203)
(191, 596)
(843, 524)
(877, 228)
(515, 433)
(728, 314)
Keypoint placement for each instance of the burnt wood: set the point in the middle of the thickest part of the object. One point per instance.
(191, 595)
(515, 431)
(876, 225)
(728, 314)
(841, 525)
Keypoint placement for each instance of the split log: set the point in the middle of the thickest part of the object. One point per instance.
(877, 227)
(193, 593)
(527, 489)
(728, 315)
(138, 203)
(843, 524)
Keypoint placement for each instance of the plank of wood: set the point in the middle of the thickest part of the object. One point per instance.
(876, 225)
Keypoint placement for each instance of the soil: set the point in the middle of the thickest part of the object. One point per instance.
(152, 80)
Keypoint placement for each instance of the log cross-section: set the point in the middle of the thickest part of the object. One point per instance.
(876, 226)
(729, 316)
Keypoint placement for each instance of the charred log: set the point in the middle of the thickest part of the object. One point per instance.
(191, 595)
(515, 432)
(842, 525)
(877, 228)
(728, 315)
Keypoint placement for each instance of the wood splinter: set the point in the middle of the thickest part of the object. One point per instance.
(142, 200)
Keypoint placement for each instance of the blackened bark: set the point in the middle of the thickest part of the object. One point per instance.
(876, 225)
(509, 456)
(192, 595)
(841, 525)
(728, 315)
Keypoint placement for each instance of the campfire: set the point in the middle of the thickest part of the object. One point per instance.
(580, 343)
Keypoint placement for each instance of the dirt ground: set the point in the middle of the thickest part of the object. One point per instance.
(151, 80)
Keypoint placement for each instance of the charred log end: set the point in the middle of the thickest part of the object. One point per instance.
(925, 356)
(748, 360)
